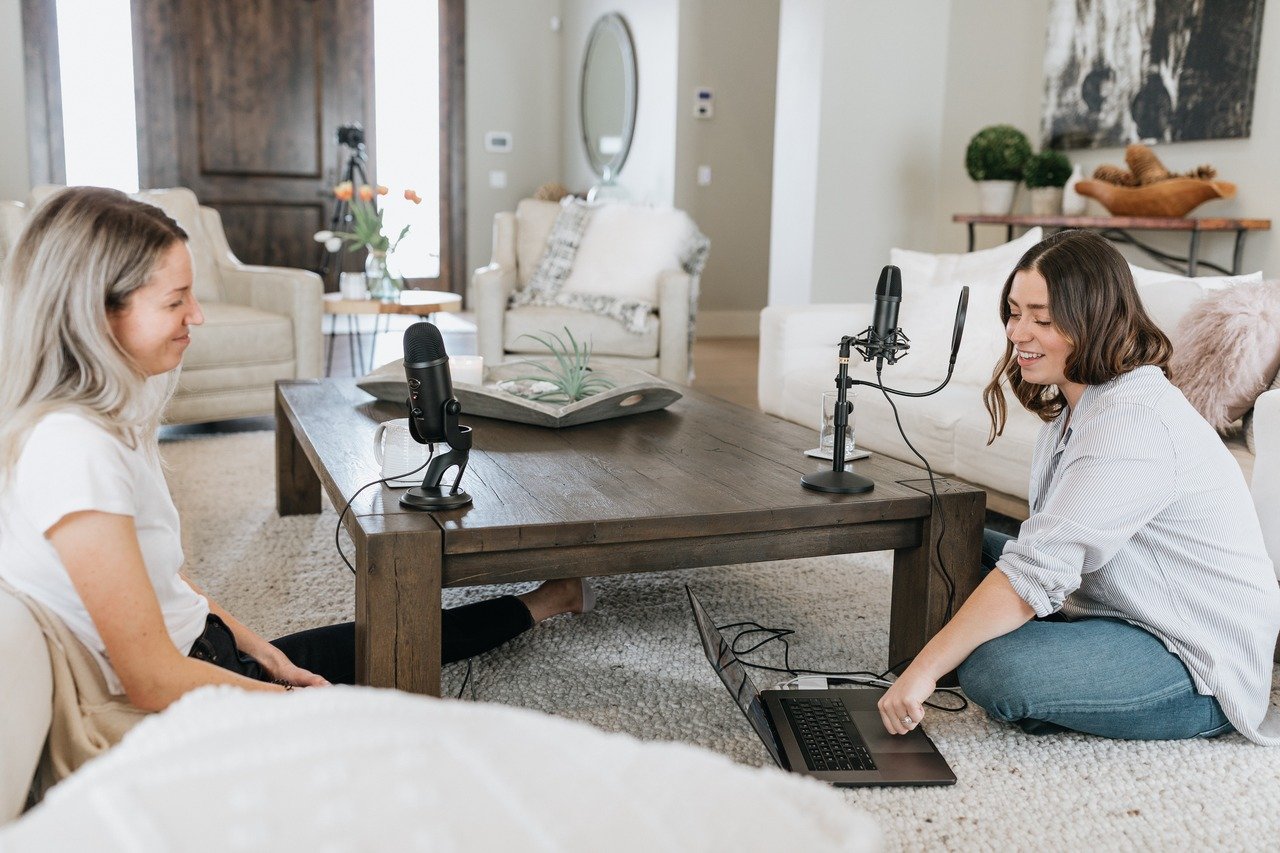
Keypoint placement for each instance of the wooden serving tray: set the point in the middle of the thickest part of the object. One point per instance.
(635, 392)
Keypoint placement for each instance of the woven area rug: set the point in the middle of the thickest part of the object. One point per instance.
(634, 665)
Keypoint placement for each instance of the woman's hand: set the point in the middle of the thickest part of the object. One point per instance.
(902, 705)
(281, 668)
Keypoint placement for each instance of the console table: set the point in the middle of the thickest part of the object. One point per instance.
(1117, 228)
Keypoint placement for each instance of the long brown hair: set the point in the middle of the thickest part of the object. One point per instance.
(1094, 304)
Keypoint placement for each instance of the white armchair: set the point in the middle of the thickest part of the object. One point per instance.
(261, 323)
(519, 239)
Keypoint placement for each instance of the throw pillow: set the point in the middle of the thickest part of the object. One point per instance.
(1226, 350)
(1142, 275)
(625, 247)
(930, 288)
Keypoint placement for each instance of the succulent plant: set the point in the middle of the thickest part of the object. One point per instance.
(997, 153)
(1047, 169)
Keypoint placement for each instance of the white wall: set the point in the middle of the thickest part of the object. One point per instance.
(730, 47)
(648, 176)
(15, 175)
(875, 177)
(513, 80)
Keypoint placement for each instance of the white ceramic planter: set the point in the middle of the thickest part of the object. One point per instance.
(1073, 204)
(996, 197)
(1046, 201)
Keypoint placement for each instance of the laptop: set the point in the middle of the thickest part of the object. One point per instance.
(834, 735)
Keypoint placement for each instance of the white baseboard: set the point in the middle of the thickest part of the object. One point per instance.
(728, 324)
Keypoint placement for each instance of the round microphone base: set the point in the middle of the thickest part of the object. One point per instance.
(432, 498)
(837, 482)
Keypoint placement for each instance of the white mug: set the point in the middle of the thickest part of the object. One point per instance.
(397, 453)
(351, 285)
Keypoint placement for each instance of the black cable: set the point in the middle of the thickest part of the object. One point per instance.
(337, 542)
(465, 679)
(780, 634)
(934, 502)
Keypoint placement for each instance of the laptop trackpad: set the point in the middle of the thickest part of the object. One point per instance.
(878, 740)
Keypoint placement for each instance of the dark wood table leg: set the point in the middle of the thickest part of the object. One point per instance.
(297, 484)
(398, 578)
(919, 607)
(1193, 254)
(970, 236)
(1238, 254)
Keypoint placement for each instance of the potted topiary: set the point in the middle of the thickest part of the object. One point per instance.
(1045, 176)
(995, 158)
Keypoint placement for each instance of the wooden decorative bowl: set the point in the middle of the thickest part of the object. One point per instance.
(1174, 197)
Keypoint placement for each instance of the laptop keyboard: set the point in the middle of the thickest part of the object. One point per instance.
(827, 736)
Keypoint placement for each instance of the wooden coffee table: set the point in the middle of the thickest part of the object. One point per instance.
(701, 483)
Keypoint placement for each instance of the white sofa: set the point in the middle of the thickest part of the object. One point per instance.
(519, 240)
(798, 363)
(261, 323)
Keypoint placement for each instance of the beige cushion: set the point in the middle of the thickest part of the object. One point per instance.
(26, 685)
(625, 247)
(931, 286)
(533, 225)
(238, 336)
(607, 335)
(13, 215)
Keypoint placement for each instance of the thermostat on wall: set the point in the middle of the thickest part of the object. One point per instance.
(497, 142)
(703, 102)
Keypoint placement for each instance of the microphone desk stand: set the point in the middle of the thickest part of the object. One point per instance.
(838, 480)
(431, 495)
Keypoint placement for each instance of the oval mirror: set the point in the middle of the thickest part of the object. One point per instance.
(608, 95)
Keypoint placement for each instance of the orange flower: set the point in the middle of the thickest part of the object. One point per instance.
(382, 190)
(343, 191)
(366, 192)
(413, 196)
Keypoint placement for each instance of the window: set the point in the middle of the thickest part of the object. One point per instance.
(99, 122)
(407, 109)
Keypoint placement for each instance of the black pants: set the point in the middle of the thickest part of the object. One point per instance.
(330, 652)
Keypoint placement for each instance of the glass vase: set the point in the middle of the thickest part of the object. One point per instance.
(382, 284)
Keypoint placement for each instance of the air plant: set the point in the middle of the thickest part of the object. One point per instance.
(571, 374)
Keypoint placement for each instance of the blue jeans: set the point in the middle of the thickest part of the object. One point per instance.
(1093, 675)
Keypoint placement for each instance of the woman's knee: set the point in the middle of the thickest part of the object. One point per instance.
(991, 679)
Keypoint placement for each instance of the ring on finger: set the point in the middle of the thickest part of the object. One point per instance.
(907, 721)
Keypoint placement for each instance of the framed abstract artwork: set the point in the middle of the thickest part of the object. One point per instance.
(1122, 71)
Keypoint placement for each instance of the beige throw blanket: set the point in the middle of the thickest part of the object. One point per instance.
(87, 718)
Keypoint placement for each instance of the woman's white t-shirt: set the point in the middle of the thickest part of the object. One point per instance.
(71, 464)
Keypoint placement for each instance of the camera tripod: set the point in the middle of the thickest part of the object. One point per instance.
(353, 172)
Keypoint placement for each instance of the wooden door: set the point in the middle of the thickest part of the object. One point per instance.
(241, 100)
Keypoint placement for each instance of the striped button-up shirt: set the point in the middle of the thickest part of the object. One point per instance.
(1140, 513)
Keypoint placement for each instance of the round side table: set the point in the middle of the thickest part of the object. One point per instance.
(420, 303)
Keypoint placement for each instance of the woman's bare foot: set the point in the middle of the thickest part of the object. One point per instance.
(555, 597)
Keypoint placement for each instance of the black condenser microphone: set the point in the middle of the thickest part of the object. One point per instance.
(426, 367)
(433, 417)
(885, 325)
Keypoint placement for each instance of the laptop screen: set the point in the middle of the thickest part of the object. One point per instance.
(734, 675)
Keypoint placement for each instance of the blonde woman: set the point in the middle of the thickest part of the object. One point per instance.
(95, 314)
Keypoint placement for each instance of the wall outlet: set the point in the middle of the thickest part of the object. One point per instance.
(497, 179)
(704, 176)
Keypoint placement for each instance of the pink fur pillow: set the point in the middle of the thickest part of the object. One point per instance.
(1226, 350)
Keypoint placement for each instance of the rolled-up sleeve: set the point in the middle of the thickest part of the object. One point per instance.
(1116, 473)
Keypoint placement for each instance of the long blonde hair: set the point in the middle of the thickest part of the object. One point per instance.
(82, 255)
